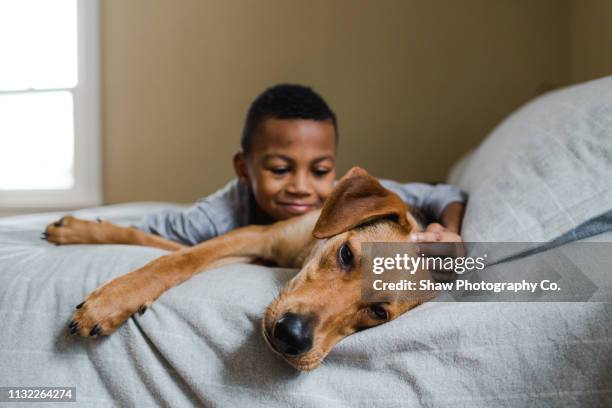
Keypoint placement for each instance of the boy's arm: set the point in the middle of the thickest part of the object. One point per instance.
(222, 211)
(452, 217)
(189, 227)
(433, 200)
(443, 204)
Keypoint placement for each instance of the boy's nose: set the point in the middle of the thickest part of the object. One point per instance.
(299, 185)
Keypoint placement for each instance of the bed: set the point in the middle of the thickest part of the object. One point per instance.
(201, 343)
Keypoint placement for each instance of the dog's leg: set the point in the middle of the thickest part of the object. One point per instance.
(71, 230)
(110, 305)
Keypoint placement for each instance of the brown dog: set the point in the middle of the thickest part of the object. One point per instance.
(320, 306)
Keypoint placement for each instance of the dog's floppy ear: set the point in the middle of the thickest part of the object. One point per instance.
(357, 199)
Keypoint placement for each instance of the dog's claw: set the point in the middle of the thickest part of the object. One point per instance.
(99, 219)
(95, 331)
(72, 324)
(80, 305)
(142, 309)
(74, 329)
(59, 223)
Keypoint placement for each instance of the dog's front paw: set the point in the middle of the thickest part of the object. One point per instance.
(71, 230)
(107, 307)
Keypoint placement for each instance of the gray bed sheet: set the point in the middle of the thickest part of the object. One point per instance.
(201, 343)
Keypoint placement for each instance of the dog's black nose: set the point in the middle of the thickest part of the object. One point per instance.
(293, 334)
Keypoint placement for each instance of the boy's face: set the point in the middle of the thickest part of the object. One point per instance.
(291, 166)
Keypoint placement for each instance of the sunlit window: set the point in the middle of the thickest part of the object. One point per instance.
(46, 95)
(38, 65)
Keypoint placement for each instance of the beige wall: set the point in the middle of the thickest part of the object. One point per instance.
(415, 83)
(591, 39)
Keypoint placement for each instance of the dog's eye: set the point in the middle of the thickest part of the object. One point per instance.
(345, 256)
(379, 312)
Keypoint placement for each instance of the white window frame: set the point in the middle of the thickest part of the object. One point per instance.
(87, 188)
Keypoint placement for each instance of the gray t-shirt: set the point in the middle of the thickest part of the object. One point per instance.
(233, 206)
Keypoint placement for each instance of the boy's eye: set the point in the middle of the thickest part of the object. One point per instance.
(279, 170)
(321, 172)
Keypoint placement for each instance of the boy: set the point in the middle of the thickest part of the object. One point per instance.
(286, 167)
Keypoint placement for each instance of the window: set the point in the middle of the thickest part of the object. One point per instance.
(49, 104)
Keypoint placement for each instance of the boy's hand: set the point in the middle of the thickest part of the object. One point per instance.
(452, 218)
(436, 233)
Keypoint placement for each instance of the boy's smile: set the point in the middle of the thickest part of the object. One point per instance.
(290, 166)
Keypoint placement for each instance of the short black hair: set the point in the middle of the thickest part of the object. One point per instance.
(285, 101)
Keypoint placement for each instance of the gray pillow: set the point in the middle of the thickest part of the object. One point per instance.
(544, 170)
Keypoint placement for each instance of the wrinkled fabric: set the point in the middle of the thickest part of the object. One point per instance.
(200, 344)
(544, 171)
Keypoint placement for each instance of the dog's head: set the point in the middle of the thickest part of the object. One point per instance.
(323, 303)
